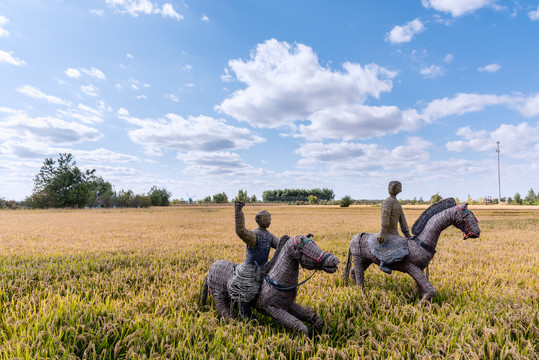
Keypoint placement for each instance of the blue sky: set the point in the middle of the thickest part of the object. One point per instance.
(203, 96)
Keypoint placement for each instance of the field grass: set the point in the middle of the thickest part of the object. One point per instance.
(115, 284)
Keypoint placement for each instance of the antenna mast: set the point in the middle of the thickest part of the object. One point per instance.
(499, 186)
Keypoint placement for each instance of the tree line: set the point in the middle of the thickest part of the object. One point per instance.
(292, 195)
(60, 183)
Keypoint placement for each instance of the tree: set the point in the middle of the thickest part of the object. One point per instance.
(62, 184)
(242, 196)
(159, 197)
(207, 199)
(220, 198)
(435, 198)
(530, 198)
(253, 198)
(313, 200)
(346, 201)
(517, 199)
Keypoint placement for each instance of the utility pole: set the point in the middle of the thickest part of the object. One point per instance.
(499, 187)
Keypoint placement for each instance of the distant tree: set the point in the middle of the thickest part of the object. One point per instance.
(220, 198)
(242, 196)
(435, 198)
(253, 198)
(159, 197)
(509, 200)
(207, 199)
(517, 199)
(530, 198)
(312, 199)
(62, 184)
(346, 201)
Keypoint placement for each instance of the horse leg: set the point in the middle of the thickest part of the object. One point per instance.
(359, 271)
(426, 290)
(223, 305)
(288, 320)
(307, 315)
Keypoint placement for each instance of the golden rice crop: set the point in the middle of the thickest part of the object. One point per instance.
(123, 284)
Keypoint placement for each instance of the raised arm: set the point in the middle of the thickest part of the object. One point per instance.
(247, 236)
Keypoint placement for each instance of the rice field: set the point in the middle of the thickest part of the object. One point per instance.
(123, 284)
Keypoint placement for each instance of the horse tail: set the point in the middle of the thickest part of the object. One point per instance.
(346, 272)
(203, 297)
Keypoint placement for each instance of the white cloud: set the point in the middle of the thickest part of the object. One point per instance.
(8, 57)
(457, 7)
(146, 7)
(448, 58)
(89, 90)
(286, 83)
(534, 14)
(33, 92)
(72, 73)
(172, 97)
(358, 122)
(200, 133)
(3, 21)
(94, 72)
(405, 33)
(168, 11)
(350, 159)
(517, 141)
(528, 106)
(19, 128)
(187, 67)
(143, 97)
(83, 114)
(129, 56)
(205, 18)
(432, 71)
(123, 112)
(76, 73)
(218, 163)
(463, 103)
(101, 156)
(98, 12)
(492, 68)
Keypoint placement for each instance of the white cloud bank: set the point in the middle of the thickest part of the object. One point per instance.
(3, 21)
(8, 57)
(202, 133)
(534, 14)
(34, 92)
(146, 7)
(405, 33)
(457, 7)
(491, 68)
(286, 84)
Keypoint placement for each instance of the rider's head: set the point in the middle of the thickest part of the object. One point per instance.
(394, 187)
(263, 219)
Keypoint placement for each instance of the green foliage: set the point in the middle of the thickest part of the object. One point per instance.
(531, 197)
(129, 199)
(242, 196)
(293, 195)
(220, 198)
(346, 201)
(435, 198)
(159, 197)
(312, 199)
(62, 184)
(253, 198)
(207, 199)
(517, 199)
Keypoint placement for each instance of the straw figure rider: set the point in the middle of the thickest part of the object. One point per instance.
(392, 215)
(244, 285)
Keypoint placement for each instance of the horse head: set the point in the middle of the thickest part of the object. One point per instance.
(468, 223)
(311, 257)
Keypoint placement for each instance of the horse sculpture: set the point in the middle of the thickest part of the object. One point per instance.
(277, 297)
(420, 248)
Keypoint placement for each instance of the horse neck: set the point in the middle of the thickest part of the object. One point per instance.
(437, 224)
(286, 268)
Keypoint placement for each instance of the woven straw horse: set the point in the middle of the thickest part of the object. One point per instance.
(420, 248)
(277, 297)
